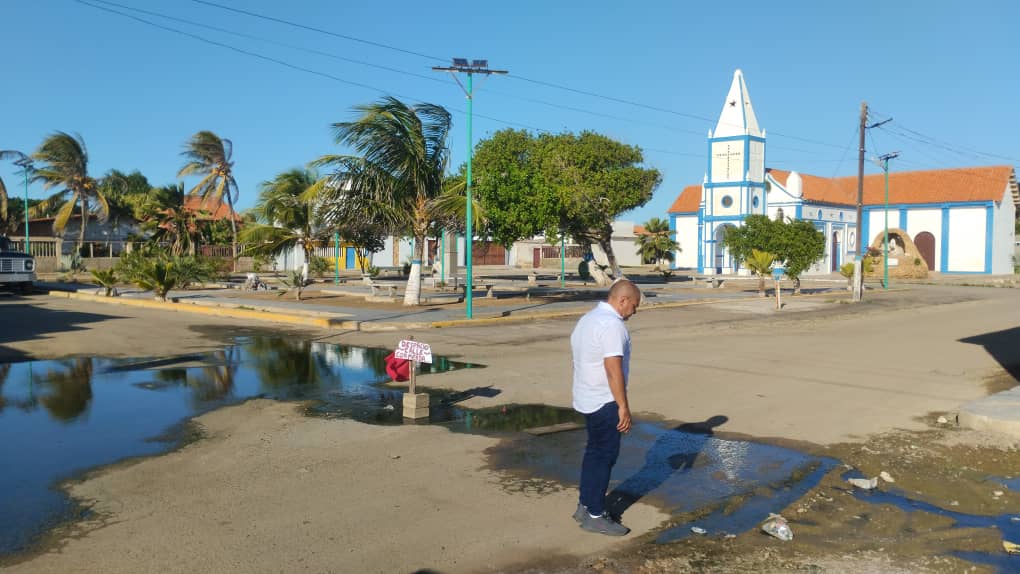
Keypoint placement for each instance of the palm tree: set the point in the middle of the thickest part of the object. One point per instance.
(171, 221)
(209, 156)
(4, 223)
(656, 245)
(285, 217)
(760, 263)
(64, 163)
(399, 174)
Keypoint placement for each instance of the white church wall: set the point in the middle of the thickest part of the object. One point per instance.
(687, 237)
(930, 220)
(967, 240)
(1003, 235)
(719, 195)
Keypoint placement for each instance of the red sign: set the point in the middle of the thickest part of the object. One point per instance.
(414, 351)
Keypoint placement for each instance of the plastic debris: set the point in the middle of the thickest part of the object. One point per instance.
(698, 530)
(388, 408)
(776, 526)
(864, 483)
(942, 420)
(886, 476)
(1011, 547)
(998, 493)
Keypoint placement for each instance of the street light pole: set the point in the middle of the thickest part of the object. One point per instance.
(25, 163)
(472, 68)
(885, 263)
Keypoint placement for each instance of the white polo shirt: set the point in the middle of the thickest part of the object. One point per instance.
(599, 334)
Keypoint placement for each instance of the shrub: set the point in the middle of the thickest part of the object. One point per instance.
(107, 279)
(318, 266)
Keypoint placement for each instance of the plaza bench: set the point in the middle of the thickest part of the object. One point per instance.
(483, 285)
(712, 282)
(379, 288)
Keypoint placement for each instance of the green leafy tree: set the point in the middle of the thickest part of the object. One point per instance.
(62, 162)
(798, 247)
(210, 157)
(285, 218)
(796, 244)
(561, 184)
(509, 186)
(397, 172)
(656, 245)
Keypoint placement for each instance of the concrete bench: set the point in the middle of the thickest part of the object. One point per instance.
(379, 288)
(487, 286)
(712, 282)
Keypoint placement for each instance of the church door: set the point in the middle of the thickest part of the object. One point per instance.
(723, 260)
(835, 251)
(925, 243)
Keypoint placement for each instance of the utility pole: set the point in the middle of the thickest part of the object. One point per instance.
(472, 68)
(859, 259)
(885, 262)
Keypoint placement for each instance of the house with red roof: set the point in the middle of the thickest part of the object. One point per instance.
(960, 220)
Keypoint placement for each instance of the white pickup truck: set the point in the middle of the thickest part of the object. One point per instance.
(17, 269)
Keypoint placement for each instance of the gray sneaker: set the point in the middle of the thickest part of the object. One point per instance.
(580, 513)
(603, 525)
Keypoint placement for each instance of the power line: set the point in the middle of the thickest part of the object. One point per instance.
(282, 62)
(319, 30)
(522, 78)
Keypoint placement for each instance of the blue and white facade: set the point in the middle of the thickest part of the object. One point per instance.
(961, 221)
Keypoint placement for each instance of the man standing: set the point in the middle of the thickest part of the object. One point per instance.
(601, 349)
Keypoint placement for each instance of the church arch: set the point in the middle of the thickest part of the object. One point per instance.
(722, 259)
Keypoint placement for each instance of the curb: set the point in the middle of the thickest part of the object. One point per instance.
(320, 322)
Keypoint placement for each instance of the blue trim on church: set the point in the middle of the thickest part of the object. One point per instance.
(989, 228)
(903, 219)
(944, 260)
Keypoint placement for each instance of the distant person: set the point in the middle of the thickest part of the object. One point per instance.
(600, 345)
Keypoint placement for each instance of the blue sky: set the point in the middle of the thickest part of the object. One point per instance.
(944, 71)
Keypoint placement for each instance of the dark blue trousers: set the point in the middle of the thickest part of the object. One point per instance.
(599, 456)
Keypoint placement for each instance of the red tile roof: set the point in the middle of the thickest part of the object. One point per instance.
(688, 200)
(212, 211)
(930, 186)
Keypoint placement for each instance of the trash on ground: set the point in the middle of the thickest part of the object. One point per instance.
(998, 493)
(864, 483)
(886, 476)
(1011, 547)
(388, 408)
(942, 420)
(776, 526)
(698, 530)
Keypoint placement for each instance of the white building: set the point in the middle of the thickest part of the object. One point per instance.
(961, 220)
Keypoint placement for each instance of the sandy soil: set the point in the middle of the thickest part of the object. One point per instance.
(271, 490)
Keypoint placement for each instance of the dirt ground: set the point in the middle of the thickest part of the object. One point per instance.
(268, 489)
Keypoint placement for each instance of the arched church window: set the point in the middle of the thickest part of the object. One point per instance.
(727, 201)
(819, 214)
(755, 201)
(779, 214)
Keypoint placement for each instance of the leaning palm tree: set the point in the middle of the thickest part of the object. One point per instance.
(760, 263)
(170, 221)
(63, 163)
(209, 156)
(285, 219)
(398, 174)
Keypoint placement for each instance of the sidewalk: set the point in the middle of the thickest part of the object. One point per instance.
(515, 300)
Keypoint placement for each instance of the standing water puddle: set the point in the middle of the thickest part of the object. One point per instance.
(62, 418)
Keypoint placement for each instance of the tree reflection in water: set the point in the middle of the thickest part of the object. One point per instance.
(291, 365)
(66, 393)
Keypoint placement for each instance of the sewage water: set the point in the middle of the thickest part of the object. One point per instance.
(61, 418)
(1007, 524)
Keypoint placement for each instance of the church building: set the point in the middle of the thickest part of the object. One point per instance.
(956, 220)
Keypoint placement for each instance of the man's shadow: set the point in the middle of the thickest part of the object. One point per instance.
(674, 450)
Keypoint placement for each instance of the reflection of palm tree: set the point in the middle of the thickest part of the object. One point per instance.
(216, 381)
(674, 450)
(69, 392)
(282, 363)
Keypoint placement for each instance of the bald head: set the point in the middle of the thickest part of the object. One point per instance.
(624, 296)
